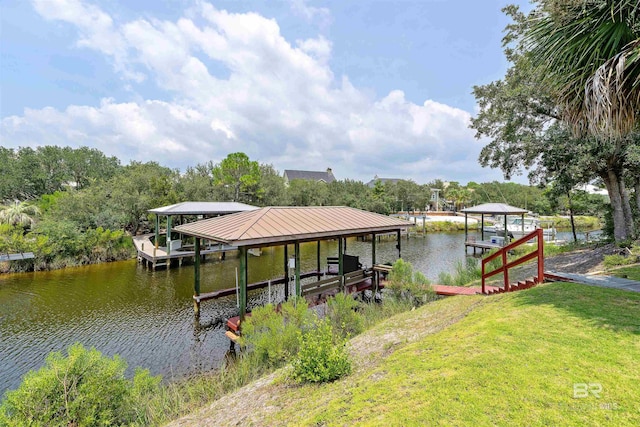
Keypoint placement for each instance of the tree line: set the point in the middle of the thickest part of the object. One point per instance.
(77, 206)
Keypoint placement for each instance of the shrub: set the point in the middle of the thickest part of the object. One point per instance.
(84, 388)
(272, 336)
(342, 315)
(322, 356)
(465, 272)
(404, 283)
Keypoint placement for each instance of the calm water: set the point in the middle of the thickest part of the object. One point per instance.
(147, 317)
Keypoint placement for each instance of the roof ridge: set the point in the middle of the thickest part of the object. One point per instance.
(252, 223)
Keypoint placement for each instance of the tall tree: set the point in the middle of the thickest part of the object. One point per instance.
(238, 176)
(556, 52)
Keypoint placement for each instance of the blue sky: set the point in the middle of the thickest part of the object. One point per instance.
(366, 87)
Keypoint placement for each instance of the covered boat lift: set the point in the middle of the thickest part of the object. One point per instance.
(488, 209)
(274, 226)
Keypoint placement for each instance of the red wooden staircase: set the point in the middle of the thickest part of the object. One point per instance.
(538, 254)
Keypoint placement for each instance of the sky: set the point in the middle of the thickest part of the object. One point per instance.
(363, 87)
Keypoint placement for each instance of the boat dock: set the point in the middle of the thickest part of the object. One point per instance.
(483, 245)
(154, 257)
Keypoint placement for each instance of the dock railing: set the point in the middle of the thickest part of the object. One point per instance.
(502, 254)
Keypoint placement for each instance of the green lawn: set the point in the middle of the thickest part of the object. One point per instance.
(509, 359)
(631, 272)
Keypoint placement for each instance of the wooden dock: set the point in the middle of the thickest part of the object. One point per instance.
(154, 257)
(483, 245)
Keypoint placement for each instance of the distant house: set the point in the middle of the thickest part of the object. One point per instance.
(327, 176)
(383, 181)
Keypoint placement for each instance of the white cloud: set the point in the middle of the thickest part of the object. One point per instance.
(279, 102)
(311, 13)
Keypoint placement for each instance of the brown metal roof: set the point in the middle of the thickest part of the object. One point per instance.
(278, 225)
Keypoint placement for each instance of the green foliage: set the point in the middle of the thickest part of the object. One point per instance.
(83, 388)
(407, 284)
(465, 273)
(322, 357)
(272, 336)
(341, 312)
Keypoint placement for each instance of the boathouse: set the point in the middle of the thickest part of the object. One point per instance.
(284, 226)
(488, 209)
(155, 255)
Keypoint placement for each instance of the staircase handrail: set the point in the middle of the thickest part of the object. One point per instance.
(504, 268)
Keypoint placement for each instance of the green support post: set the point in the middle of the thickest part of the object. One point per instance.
(340, 264)
(298, 289)
(318, 260)
(196, 281)
(243, 283)
(374, 276)
(286, 272)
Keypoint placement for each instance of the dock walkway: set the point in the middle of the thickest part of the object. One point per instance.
(158, 257)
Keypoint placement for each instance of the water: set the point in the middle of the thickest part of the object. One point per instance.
(147, 316)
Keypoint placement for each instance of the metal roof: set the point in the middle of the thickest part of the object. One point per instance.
(279, 225)
(495, 209)
(203, 208)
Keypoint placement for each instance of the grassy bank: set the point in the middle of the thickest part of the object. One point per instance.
(525, 358)
(582, 222)
(442, 226)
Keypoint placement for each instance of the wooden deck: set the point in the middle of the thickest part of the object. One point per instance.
(483, 245)
(158, 257)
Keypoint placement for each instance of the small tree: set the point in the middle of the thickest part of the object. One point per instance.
(410, 285)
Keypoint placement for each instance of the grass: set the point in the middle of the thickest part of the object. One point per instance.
(631, 272)
(510, 359)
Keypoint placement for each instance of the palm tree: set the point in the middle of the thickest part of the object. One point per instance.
(589, 55)
(589, 52)
(18, 214)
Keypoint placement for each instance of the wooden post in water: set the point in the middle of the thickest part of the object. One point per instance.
(298, 289)
(399, 245)
(243, 283)
(286, 272)
(196, 281)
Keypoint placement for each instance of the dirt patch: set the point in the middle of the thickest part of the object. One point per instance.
(581, 261)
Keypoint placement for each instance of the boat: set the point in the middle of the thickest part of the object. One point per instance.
(519, 227)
